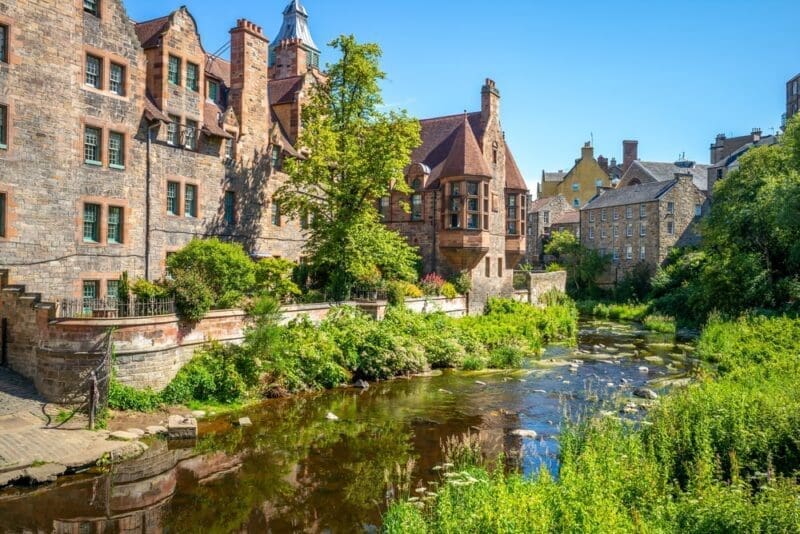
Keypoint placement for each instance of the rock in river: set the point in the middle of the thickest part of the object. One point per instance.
(524, 433)
(330, 416)
(361, 384)
(645, 393)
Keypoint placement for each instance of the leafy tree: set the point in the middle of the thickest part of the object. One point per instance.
(583, 265)
(356, 154)
(225, 268)
(274, 276)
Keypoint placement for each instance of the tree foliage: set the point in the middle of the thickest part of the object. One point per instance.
(583, 265)
(356, 154)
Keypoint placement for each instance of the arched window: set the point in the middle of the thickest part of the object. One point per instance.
(416, 185)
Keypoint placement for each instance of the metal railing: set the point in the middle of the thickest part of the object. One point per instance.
(113, 308)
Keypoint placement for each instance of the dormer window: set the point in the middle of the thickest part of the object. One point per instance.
(92, 7)
(213, 91)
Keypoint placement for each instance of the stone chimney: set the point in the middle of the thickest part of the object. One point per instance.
(490, 103)
(756, 133)
(249, 95)
(630, 153)
(603, 162)
(587, 152)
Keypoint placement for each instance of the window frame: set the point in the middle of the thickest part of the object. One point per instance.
(173, 199)
(3, 214)
(174, 131)
(472, 198)
(174, 76)
(112, 294)
(629, 252)
(642, 230)
(629, 212)
(190, 203)
(229, 207)
(118, 67)
(98, 75)
(698, 210)
(642, 253)
(215, 84)
(416, 207)
(454, 207)
(190, 129)
(385, 208)
(500, 267)
(4, 28)
(98, 145)
(94, 237)
(670, 207)
(193, 83)
(642, 211)
(95, 11)
(591, 233)
(629, 230)
(4, 130)
(275, 214)
(119, 225)
(120, 151)
(670, 228)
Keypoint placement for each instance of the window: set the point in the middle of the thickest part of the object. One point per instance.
(454, 206)
(190, 201)
(576, 202)
(190, 135)
(2, 215)
(90, 292)
(229, 149)
(487, 267)
(91, 223)
(670, 228)
(614, 213)
(275, 158)
(172, 130)
(720, 174)
(92, 6)
(598, 182)
(91, 146)
(213, 90)
(416, 207)
(603, 233)
(629, 230)
(591, 216)
(230, 207)
(615, 255)
(172, 198)
(629, 252)
(603, 214)
(174, 74)
(473, 206)
(115, 216)
(499, 267)
(94, 71)
(192, 77)
(591, 232)
(3, 127)
(304, 221)
(384, 207)
(576, 187)
(670, 207)
(112, 289)
(615, 231)
(642, 211)
(628, 212)
(511, 214)
(642, 252)
(3, 43)
(116, 79)
(116, 150)
(276, 214)
(698, 210)
(642, 229)
(546, 217)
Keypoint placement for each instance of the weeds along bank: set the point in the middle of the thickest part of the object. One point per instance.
(278, 360)
(721, 455)
(639, 312)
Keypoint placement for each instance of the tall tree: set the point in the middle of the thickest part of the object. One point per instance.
(583, 265)
(356, 154)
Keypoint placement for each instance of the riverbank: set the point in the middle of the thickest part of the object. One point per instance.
(718, 456)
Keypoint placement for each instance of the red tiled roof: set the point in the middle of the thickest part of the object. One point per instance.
(568, 217)
(284, 90)
(465, 157)
(219, 68)
(514, 179)
(150, 31)
(211, 120)
(151, 110)
(437, 136)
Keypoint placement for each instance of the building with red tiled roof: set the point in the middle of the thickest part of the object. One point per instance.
(468, 206)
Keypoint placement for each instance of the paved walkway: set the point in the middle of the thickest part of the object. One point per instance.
(26, 440)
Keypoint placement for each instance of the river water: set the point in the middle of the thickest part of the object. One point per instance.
(294, 470)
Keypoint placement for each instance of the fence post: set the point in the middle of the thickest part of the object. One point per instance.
(93, 399)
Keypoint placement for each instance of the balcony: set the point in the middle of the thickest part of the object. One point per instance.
(515, 249)
(463, 249)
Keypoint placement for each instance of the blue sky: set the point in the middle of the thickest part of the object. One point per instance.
(671, 74)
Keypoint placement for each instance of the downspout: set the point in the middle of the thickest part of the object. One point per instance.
(147, 202)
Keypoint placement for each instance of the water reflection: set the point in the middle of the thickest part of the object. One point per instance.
(293, 470)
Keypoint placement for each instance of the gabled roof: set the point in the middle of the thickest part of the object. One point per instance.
(150, 31)
(665, 171)
(554, 176)
(514, 179)
(632, 194)
(465, 157)
(568, 217)
(219, 68)
(283, 91)
(151, 110)
(540, 203)
(437, 137)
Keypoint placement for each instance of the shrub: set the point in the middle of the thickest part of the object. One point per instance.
(145, 290)
(274, 277)
(193, 298)
(506, 358)
(225, 268)
(462, 282)
(122, 397)
(473, 363)
(431, 284)
(214, 374)
(449, 291)
(554, 267)
(660, 323)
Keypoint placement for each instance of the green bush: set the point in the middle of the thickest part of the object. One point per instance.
(213, 375)
(473, 363)
(614, 311)
(462, 282)
(193, 298)
(554, 267)
(122, 397)
(660, 323)
(449, 290)
(224, 267)
(273, 276)
(396, 293)
(145, 290)
(506, 358)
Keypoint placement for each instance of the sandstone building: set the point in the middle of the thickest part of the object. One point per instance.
(542, 216)
(121, 141)
(726, 151)
(638, 172)
(468, 208)
(580, 183)
(640, 223)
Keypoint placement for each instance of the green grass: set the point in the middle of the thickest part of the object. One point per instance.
(613, 311)
(660, 323)
(721, 455)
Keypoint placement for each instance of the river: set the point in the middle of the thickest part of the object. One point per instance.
(294, 470)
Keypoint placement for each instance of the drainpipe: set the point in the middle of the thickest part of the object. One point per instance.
(147, 202)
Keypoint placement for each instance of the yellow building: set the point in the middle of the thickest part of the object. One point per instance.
(578, 185)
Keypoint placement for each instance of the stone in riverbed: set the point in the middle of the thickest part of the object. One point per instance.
(330, 416)
(245, 421)
(480, 383)
(644, 369)
(198, 414)
(180, 427)
(138, 431)
(155, 430)
(645, 393)
(361, 384)
(122, 435)
(524, 433)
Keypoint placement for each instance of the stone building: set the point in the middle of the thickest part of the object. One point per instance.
(641, 223)
(468, 208)
(638, 172)
(726, 151)
(793, 97)
(542, 213)
(580, 183)
(120, 142)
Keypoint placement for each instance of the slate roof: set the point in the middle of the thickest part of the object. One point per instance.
(554, 176)
(568, 217)
(219, 68)
(283, 91)
(149, 32)
(665, 171)
(734, 156)
(211, 120)
(514, 179)
(465, 157)
(540, 203)
(151, 110)
(632, 194)
(295, 26)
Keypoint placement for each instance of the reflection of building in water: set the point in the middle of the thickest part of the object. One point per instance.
(134, 497)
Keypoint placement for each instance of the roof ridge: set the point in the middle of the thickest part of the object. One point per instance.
(465, 157)
(153, 19)
(449, 116)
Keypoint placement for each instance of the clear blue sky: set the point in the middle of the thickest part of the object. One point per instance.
(671, 74)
